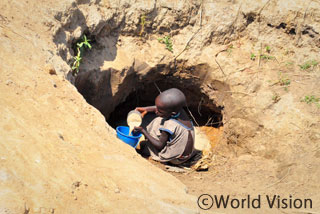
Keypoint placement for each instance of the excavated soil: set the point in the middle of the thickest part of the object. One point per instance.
(250, 71)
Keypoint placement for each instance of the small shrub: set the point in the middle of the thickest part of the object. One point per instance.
(81, 46)
(314, 63)
(284, 81)
(276, 98)
(309, 64)
(76, 63)
(268, 49)
(143, 22)
(311, 99)
(289, 63)
(253, 56)
(84, 43)
(266, 57)
(229, 50)
(167, 41)
(286, 52)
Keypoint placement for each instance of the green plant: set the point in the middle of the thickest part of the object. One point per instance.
(309, 64)
(167, 41)
(284, 81)
(286, 52)
(289, 63)
(81, 46)
(311, 99)
(266, 57)
(77, 60)
(314, 63)
(268, 49)
(253, 56)
(229, 50)
(84, 43)
(276, 98)
(142, 24)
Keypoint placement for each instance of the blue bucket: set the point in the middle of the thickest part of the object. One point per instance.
(123, 134)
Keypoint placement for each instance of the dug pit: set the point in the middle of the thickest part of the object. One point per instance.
(136, 90)
(120, 72)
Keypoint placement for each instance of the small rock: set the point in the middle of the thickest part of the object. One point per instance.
(186, 190)
(61, 136)
(75, 198)
(50, 69)
(76, 184)
(54, 83)
(9, 82)
(117, 190)
(175, 169)
(204, 167)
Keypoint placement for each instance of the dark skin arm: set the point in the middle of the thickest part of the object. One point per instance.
(157, 144)
(145, 110)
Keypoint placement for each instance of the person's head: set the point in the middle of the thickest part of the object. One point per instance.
(170, 102)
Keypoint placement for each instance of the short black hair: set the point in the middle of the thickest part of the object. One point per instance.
(174, 99)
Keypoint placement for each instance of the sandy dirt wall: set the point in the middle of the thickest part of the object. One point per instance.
(57, 154)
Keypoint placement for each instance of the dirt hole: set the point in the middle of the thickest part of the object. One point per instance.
(136, 91)
(115, 93)
(203, 110)
(206, 116)
(115, 101)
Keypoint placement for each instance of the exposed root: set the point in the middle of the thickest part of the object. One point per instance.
(215, 57)
(191, 38)
(238, 92)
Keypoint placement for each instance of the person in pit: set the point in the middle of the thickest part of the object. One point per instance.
(170, 136)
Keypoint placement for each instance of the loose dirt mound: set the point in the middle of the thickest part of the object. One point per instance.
(251, 67)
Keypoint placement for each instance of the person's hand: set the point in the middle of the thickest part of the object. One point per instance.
(142, 110)
(138, 129)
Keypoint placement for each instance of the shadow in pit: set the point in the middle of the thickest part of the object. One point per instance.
(204, 111)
